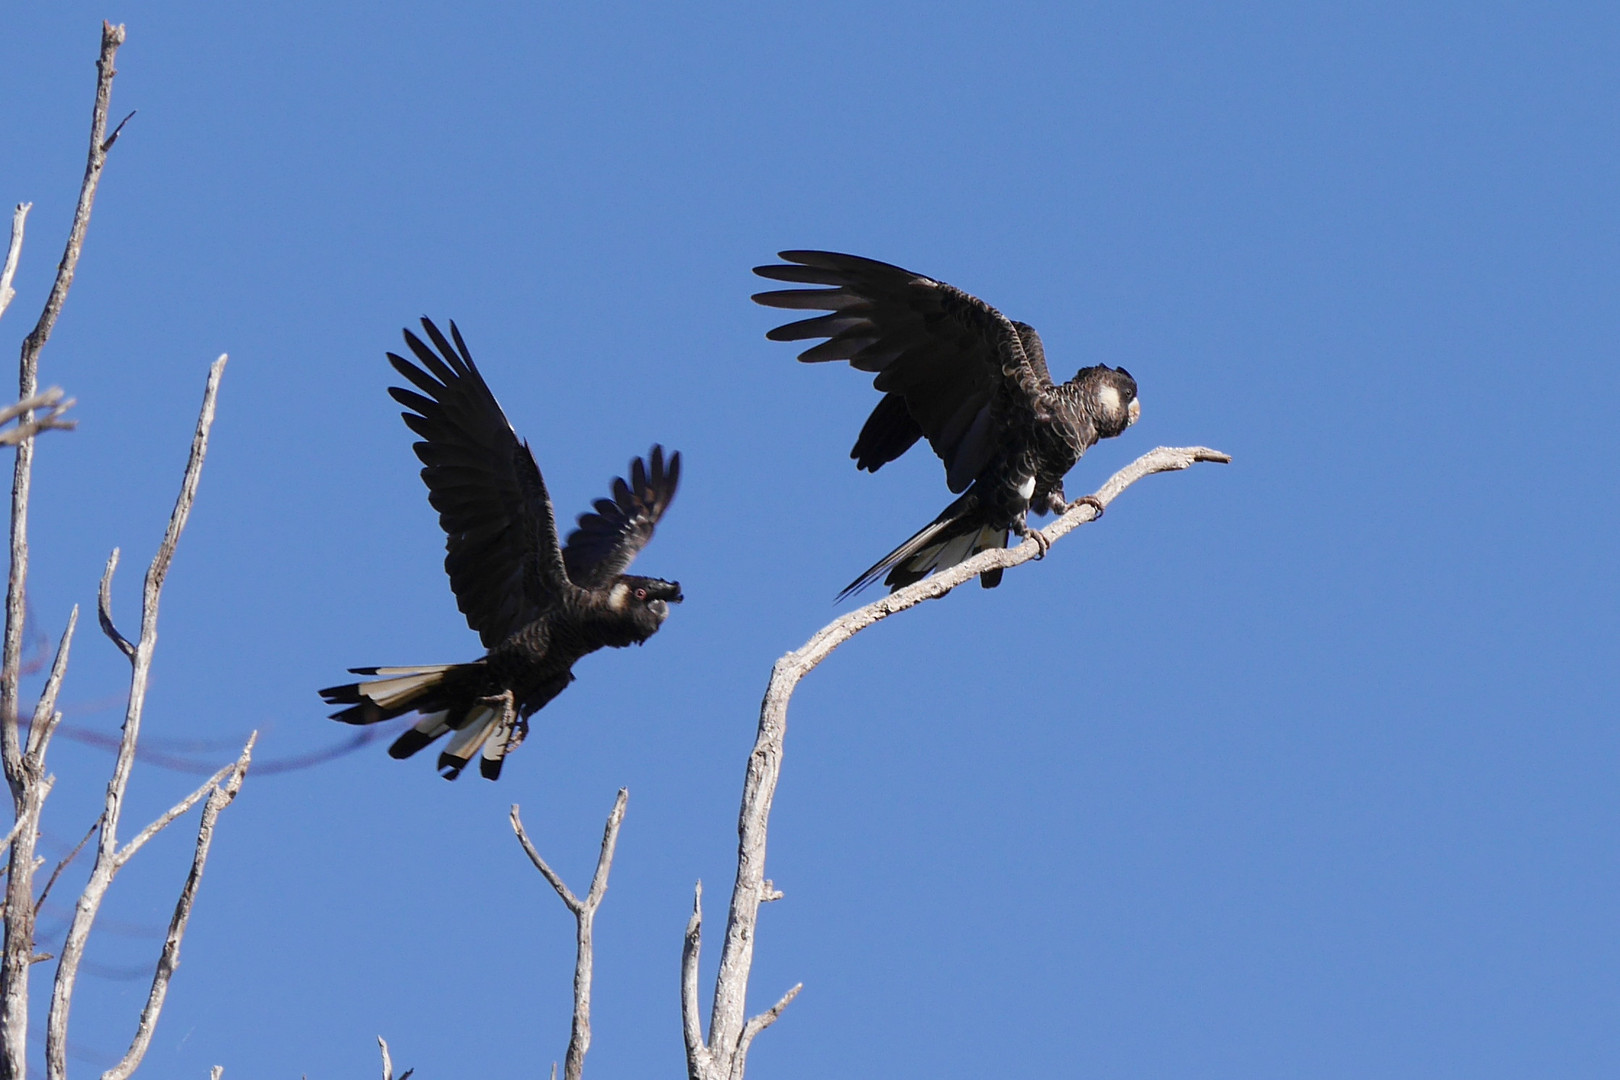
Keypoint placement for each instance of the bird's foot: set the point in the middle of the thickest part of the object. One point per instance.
(1041, 542)
(520, 731)
(1091, 501)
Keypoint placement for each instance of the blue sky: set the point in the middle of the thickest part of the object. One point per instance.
(1303, 766)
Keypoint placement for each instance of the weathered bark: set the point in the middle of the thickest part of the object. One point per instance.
(725, 1054)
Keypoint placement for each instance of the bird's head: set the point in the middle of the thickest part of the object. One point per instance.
(653, 594)
(1110, 397)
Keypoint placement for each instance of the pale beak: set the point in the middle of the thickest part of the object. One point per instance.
(1132, 413)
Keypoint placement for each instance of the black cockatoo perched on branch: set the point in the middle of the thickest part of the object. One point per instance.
(956, 370)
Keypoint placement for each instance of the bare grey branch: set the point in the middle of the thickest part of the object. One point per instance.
(109, 858)
(579, 1039)
(104, 608)
(729, 1033)
(25, 777)
(169, 959)
(758, 1024)
(19, 218)
(697, 1055)
(45, 715)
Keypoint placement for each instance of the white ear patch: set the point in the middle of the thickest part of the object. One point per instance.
(1108, 399)
(1027, 488)
(619, 597)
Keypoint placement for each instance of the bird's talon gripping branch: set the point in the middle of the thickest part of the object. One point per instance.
(1091, 501)
(959, 373)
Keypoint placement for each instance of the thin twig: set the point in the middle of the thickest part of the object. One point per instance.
(169, 959)
(109, 858)
(104, 608)
(19, 218)
(63, 865)
(46, 718)
(127, 852)
(27, 784)
(33, 424)
(584, 911)
(756, 1025)
(727, 1024)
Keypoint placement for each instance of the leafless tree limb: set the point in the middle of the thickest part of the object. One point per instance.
(584, 911)
(697, 1055)
(388, 1064)
(729, 1032)
(64, 863)
(19, 218)
(219, 798)
(25, 775)
(110, 858)
(52, 421)
(46, 718)
(104, 608)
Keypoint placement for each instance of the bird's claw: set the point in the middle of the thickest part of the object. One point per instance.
(1091, 501)
(1042, 544)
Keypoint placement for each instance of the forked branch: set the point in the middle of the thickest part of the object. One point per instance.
(584, 912)
(25, 771)
(220, 789)
(724, 1056)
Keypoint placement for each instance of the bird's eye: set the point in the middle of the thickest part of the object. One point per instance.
(641, 594)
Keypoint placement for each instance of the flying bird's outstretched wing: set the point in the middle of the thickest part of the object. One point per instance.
(501, 549)
(610, 537)
(950, 365)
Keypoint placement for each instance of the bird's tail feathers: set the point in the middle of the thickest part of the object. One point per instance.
(447, 697)
(955, 535)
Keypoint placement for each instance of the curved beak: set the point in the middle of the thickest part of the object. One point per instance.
(1133, 413)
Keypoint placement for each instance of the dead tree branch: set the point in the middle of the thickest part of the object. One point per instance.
(584, 911)
(52, 421)
(219, 797)
(388, 1063)
(220, 788)
(730, 1032)
(25, 772)
(19, 218)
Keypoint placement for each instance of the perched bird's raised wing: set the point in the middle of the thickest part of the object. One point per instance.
(948, 363)
(501, 549)
(609, 538)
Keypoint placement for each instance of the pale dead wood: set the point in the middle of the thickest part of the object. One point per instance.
(19, 218)
(697, 1055)
(730, 1032)
(584, 912)
(388, 1063)
(25, 775)
(220, 797)
(110, 857)
(33, 424)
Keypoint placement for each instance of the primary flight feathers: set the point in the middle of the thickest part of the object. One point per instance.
(537, 605)
(958, 372)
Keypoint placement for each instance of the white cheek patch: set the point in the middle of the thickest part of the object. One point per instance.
(1027, 488)
(619, 597)
(1108, 400)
